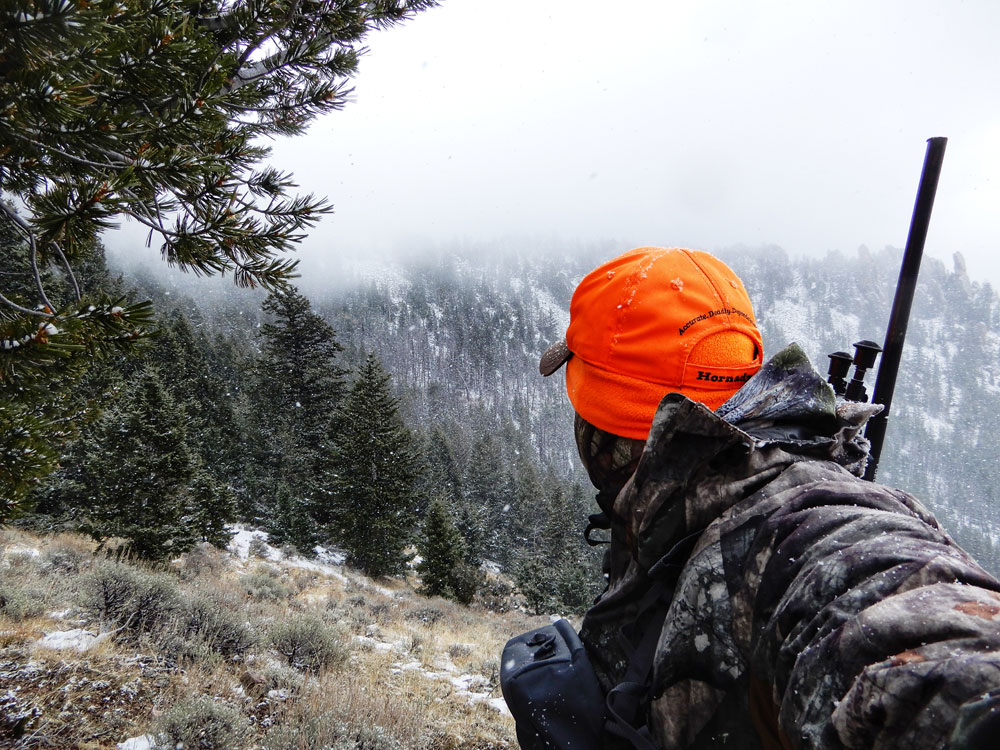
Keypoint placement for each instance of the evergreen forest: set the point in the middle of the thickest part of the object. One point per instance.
(397, 413)
(392, 409)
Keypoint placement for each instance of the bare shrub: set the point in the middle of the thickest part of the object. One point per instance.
(415, 643)
(175, 650)
(490, 669)
(203, 560)
(324, 732)
(426, 615)
(384, 612)
(310, 644)
(132, 600)
(64, 556)
(258, 548)
(277, 676)
(299, 579)
(22, 560)
(459, 651)
(200, 723)
(221, 629)
(349, 712)
(353, 611)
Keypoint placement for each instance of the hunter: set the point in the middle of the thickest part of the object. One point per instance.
(776, 599)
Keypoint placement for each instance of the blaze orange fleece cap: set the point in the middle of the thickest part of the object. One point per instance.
(650, 322)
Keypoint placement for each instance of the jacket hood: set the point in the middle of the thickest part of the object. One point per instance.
(788, 403)
(698, 463)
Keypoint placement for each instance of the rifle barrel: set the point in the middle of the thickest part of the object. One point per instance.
(892, 351)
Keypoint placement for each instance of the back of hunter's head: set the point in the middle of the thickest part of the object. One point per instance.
(650, 322)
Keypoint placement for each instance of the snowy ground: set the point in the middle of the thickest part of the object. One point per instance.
(145, 742)
(330, 562)
(76, 639)
(475, 688)
(465, 685)
(246, 545)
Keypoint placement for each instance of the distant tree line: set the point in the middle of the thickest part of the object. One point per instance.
(203, 428)
(286, 408)
(462, 331)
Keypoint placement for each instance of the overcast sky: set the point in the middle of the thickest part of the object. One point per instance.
(705, 124)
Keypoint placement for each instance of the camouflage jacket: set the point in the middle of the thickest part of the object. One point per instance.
(807, 608)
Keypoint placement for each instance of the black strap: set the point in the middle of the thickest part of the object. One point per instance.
(626, 698)
(597, 521)
(680, 551)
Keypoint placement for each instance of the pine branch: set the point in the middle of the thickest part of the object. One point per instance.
(69, 270)
(73, 158)
(24, 311)
(33, 252)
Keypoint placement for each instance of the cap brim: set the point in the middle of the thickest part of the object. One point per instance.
(555, 357)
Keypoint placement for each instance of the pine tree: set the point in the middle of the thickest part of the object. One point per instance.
(213, 507)
(471, 523)
(298, 391)
(441, 473)
(527, 517)
(535, 585)
(442, 550)
(183, 352)
(298, 366)
(502, 543)
(60, 495)
(442, 477)
(154, 110)
(140, 475)
(372, 486)
(560, 573)
(576, 569)
(215, 427)
(287, 519)
(485, 500)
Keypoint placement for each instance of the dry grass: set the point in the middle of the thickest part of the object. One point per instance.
(406, 671)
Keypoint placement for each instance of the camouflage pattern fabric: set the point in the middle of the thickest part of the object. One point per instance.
(815, 610)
